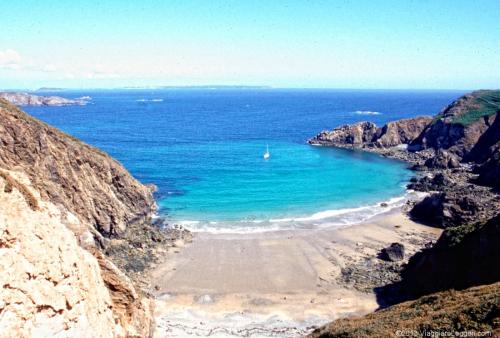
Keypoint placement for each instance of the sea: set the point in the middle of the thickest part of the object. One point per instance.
(203, 148)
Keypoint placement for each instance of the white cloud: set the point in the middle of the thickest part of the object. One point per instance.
(10, 59)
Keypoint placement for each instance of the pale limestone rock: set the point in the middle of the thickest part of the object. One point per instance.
(50, 286)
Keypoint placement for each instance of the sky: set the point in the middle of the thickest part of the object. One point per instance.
(421, 44)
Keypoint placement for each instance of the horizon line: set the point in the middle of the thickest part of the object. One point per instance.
(222, 87)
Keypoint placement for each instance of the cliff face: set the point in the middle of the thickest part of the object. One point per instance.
(57, 197)
(49, 284)
(464, 256)
(467, 128)
(366, 134)
(463, 199)
(69, 173)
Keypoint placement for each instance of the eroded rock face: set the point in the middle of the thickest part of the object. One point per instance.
(443, 160)
(49, 285)
(366, 134)
(58, 197)
(489, 172)
(402, 132)
(464, 256)
(347, 135)
(466, 128)
(67, 172)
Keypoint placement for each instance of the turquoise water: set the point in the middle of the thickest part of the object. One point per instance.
(204, 150)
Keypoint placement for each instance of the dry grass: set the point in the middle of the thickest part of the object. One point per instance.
(475, 309)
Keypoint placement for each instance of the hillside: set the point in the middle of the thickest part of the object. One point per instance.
(475, 310)
(68, 213)
(457, 158)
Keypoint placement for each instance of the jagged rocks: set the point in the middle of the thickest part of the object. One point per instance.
(489, 172)
(347, 135)
(393, 253)
(427, 184)
(464, 256)
(401, 132)
(443, 160)
(366, 134)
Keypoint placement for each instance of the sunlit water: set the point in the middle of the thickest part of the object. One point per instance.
(204, 150)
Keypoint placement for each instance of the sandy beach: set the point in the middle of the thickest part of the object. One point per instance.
(273, 284)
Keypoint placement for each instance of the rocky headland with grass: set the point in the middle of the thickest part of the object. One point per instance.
(456, 156)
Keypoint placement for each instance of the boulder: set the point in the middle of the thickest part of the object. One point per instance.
(393, 253)
(443, 160)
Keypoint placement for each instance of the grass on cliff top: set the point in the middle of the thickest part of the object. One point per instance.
(489, 103)
(486, 103)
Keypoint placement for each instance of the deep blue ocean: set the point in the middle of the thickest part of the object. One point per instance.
(204, 148)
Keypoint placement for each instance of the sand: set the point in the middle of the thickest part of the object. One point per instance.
(271, 284)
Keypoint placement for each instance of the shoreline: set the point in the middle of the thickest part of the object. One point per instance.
(324, 219)
(282, 283)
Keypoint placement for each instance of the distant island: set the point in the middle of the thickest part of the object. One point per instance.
(27, 99)
(49, 89)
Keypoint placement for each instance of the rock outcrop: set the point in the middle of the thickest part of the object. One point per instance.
(26, 99)
(366, 134)
(49, 285)
(458, 153)
(464, 256)
(466, 128)
(394, 252)
(63, 205)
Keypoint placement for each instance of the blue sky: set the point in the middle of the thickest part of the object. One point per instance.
(448, 44)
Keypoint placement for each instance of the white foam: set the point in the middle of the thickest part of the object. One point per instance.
(367, 112)
(149, 100)
(323, 219)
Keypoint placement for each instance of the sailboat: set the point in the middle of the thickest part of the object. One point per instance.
(267, 154)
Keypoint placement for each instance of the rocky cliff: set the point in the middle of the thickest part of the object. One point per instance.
(367, 134)
(63, 205)
(72, 174)
(26, 99)
(457, 154)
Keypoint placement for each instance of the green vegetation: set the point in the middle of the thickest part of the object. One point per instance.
(484, 103)
(489, 104)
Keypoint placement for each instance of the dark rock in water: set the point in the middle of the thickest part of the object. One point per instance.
(394, 252)
(443, 160)
(384, 205)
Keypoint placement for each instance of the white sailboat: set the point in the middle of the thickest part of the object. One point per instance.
(267, 154)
